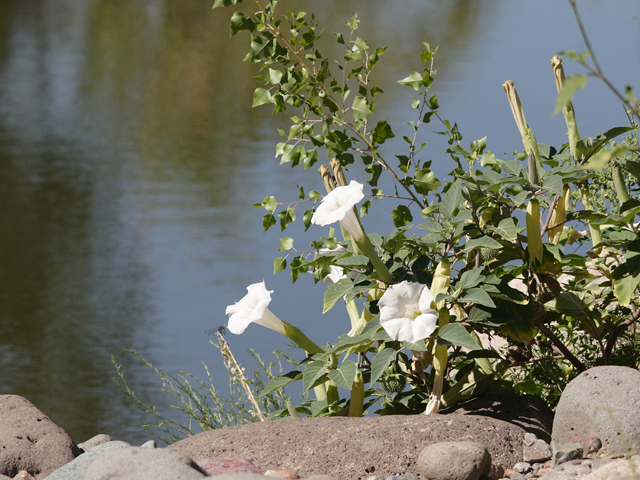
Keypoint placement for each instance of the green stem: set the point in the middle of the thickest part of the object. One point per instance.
(300, 339)
(381, 269)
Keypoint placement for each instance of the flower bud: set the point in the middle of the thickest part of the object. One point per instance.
(338, 174)
(534, 239)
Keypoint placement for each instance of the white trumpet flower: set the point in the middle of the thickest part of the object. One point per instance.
(406, 313)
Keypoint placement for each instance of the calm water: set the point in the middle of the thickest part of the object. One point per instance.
(130, 157)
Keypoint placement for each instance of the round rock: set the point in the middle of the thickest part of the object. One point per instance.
(603, 401)
(454, 461)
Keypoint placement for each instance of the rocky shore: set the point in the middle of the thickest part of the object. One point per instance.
(594, 434)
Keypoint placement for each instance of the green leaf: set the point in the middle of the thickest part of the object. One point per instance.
(268, 221)
(381, 132)
(570, 303)
(569, 88)
(286, 244)
(425, 181)
(470, 278)
(286, 217)
(479, 297)
(380, 362)
(624, 288)
(361, 110)
(279, 264)
(553, 183)
(279, 382)
(239, 22)
(455, 334)
(602, 158)
(482, 242)
(414, 80)
(344, 375)
(225, 3)
(452, 200)
(335, 292)
(261, 96)
(401, 215)
(306, 218)
(507, 228)
(312, 372)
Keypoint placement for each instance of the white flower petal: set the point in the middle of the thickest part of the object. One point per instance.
(406, 313)
(253, 308)
(424, 325)
(338, 205)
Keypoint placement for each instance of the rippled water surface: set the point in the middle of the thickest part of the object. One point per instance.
(130, 157)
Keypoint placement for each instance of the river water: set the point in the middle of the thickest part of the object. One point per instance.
(130, 157)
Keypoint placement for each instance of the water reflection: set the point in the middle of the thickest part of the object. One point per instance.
(128, 159)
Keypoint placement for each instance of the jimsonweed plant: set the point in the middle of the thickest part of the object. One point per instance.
(500, 277)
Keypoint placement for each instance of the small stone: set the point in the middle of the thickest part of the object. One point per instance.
(149, 444)
(509, 471)
(529, 439)
(23, 475)
(270, 473)
(565, 452)
(373, 478)
(522, 467)
(95, 441)
(286, 474)
(454, 461)
(590, 443)
(538, 452)
(411, 476)
(395, 477)
(221, 465)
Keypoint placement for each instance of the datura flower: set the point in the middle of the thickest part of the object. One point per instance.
(336, 273)
(406, 312)
(253, 309)
(338, 205)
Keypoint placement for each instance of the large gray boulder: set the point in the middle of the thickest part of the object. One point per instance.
(76, 469)
(30, 441)
(605, 402)
(344, 447)
(143, 464)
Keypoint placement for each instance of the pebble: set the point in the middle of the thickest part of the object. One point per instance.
(95, 441)
(149, 444)
(565, 452)
(537, 451)
(454, 461)
(590, 443)
(522, 467)
(23, 475)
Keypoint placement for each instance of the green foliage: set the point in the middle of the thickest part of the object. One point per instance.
(546, 309)
(200, 404)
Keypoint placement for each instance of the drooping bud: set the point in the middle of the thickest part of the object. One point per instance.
(567, 110)
(441, 281)
(329, 184)
(558, 216)
(528, 138)
(338, 174)
(534, 238)
(618, 182)
(356, 405)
